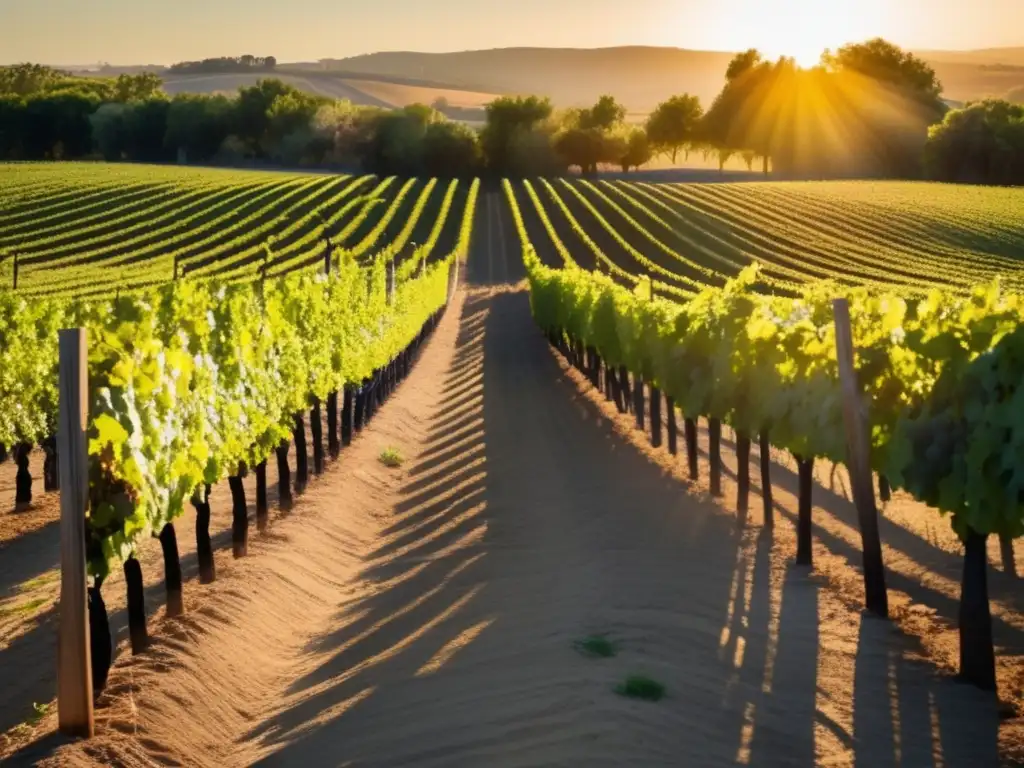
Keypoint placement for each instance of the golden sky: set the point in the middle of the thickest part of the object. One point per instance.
(147, 31)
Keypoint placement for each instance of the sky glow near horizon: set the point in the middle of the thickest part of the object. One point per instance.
(75, 32)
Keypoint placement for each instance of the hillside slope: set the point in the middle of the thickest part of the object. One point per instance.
(640, 77)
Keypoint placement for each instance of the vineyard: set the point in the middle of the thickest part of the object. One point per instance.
(245, 326)
(899, 236)
(93, 230)
(930, 283)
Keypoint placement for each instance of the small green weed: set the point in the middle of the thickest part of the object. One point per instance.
(598, 646)
(28, 607)
(391, 457)
(641, 687)
(38, 713)
(39, 581)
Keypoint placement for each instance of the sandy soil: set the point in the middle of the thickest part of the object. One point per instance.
(427, 615)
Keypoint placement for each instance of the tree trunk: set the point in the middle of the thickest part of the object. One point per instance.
(670, 412)
(262, 508)
(804, 549)
(655, 417)
(301, 459)
(51, 474)
(977, 653)
(742, 473)
(884, 490)
(612, 375)
(346, 415)
(333, 446)
(239, 515)
(23, 478)
(715, 455)
(627, 402)
(284, 476)
(172, 571)
(765, 167)
(690, 433)
(204, 546)
(766, 480)
(371, 397)
(136, 605)
(1008, 557)
(638, 401)
(101, 648)
(316, 428)
(360, 406)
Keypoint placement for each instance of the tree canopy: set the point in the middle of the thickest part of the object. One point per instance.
(245, 63)
(673, 124)
(983, 143)
(864, 111)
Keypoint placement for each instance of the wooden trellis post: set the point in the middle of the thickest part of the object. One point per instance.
(858, 462)
(74, 666)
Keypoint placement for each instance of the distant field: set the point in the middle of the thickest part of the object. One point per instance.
(90, 229)
(399, 95)
(913, 235)
(93, 229)
(378, 93)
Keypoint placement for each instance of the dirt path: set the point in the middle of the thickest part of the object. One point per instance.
(427, 615)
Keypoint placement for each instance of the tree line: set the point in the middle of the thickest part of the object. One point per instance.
(245, 63)
(867, 110)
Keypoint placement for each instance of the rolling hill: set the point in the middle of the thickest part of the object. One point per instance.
(639, 77)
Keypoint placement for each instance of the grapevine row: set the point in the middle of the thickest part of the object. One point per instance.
(940, 377)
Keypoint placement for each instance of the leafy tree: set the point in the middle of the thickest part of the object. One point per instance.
(147, 130)
(882, 61)
(451, 150)
(746, 114)
(137, 87)
(580, 147)
(673, 124)
(532, 153)
(743, 63)
(57, 126)
(982, 144)
(1016, 95)
(603, 116)
(392, 143)
(110, 130)
(244, 63)
(509, 118)
(865, 111)
(12, 127)
(199, 124)
(28, 79)
(638, 150)
(289, 115)
(253, 111)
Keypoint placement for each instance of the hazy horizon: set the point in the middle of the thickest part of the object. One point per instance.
(66, 32)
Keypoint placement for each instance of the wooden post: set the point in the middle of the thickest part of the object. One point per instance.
(390, 277)
(858, 462)
(74, 664)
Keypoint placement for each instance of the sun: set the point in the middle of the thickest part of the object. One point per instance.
(801, 29)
